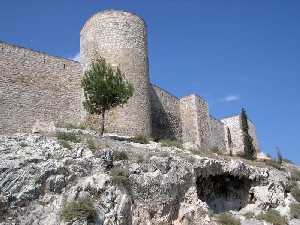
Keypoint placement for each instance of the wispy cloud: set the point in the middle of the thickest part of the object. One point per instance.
(76, 57)
(231, 98)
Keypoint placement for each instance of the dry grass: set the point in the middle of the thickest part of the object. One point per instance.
(80, 209)
(273, 217)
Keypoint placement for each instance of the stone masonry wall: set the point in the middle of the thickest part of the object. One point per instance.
(195, 121)
(121, 38)
(217, 134)
(234, 125)
(36, 86)
(166, 121)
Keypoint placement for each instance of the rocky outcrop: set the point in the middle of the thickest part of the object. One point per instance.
(152, 185)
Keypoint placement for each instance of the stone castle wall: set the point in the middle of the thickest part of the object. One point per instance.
(36, 86)
(166, 121)
(121, 38)
(234, 124)
(195, 121)
(217, 134)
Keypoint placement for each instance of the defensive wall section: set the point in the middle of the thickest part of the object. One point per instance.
(217, 134)
(35, 86)
(165, 114)
(121, 38)
(234, 125)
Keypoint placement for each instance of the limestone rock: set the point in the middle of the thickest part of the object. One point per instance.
(169, 186)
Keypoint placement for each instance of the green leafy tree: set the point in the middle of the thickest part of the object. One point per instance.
(229, 139)
(249, 149)
(104, 88)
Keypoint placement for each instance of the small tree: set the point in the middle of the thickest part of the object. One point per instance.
(279, 156)
(229, 139)
(249, 149)
(104, 88)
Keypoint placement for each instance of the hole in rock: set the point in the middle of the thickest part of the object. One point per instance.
(223, 192)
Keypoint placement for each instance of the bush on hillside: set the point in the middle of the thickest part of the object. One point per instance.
(170, 143)
(80, 209)
(227, 219)
(67, 137)
(273, 216)
(141, 139)
(295, 210)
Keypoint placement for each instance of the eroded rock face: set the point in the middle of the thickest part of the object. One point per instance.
(224, 192)
(165, 185)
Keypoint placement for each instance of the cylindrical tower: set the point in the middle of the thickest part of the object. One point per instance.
(121, 38)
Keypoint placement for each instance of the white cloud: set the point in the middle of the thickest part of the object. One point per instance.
(76, 57)
(231, 98)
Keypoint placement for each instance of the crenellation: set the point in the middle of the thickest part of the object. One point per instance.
(36, 87)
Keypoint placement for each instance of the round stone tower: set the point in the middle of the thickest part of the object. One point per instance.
(121, 38)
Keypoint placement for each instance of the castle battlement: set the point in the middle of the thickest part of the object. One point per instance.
(36, 86)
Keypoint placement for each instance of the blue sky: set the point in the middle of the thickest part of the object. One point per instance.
(233, 53)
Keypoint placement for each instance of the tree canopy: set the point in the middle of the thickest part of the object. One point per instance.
(104, 88)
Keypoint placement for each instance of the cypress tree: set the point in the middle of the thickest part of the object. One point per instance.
(104, 88)
(229, 139)
(249, 149)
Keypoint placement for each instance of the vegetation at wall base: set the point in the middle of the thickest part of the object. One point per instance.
(120, 177)
(296, 192)
(68, 137)
(65, 144)
(79, 209)
(249, 215)
(142, 139)
(274, 163)
(295, 175)
(120, 156)
(249, 149)
(227, 219)
(273, 216)
(104, 88)
(91, 144)
(170, 143)
(295, 210)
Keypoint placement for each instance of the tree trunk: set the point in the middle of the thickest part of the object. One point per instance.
(103, 122)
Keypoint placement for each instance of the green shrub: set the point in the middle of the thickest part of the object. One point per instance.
(295, 210)
(120, 176)
(170, 143)
(141, 139)
(81, 126)
(67, 136)
(295, 175)
(274, 163)
(296, 192)
(273, 216)
(91, 144)
(215, 149)
(65, 144)
(80, 209)
(287, 161)
(120, 156)
(227, 219)
(249, 215)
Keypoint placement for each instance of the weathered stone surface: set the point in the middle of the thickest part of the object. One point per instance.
(38, 90)
(167, 186)
(234, 125)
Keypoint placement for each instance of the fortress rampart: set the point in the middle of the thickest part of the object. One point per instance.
(121, 38)
(35, 86)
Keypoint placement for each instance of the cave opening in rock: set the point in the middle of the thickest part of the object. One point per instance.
(223, 192)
